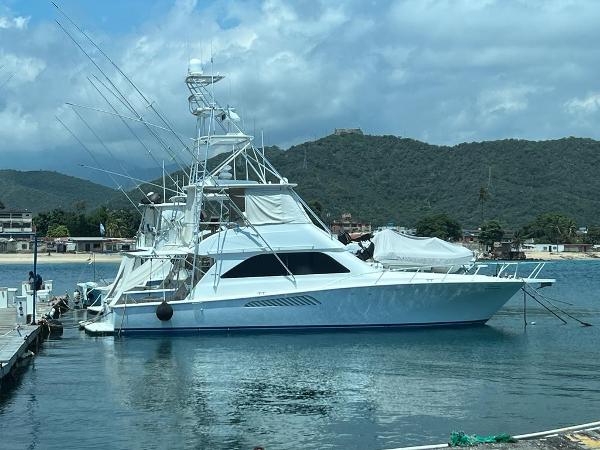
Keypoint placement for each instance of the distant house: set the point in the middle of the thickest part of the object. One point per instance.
(579, 248)
(91, 245)
(471, 236)
(346, 224)
(544, 247)
(344, 131)
(16, 231)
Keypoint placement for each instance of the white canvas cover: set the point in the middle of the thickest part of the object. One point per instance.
(273, 206)
(123, 272)
(393, 248)
(151, 269)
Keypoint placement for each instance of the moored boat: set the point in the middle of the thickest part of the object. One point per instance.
(250, 254)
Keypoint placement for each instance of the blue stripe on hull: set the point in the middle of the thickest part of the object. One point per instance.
(300, 327)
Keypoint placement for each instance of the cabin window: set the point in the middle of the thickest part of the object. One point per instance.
(267, 265)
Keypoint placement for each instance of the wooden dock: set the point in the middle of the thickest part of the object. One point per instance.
(15, 341)
(577, 437)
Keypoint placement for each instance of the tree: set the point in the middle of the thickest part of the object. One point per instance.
(491, 231)
(517, 240)
(120, 223)
(440, 226)
(1, 205)
(593, 235)
(56, 231)
(79, 205)
(551, 228)
(316, 207)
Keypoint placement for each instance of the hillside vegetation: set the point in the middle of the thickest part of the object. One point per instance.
(43, 190)
(390, 179)
(382, 179)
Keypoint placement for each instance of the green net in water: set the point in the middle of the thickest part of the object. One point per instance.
(460, 439)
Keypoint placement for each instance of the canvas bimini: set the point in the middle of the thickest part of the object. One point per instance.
(250, 254)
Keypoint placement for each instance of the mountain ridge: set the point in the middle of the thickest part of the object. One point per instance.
(44, 190)
(383, 179)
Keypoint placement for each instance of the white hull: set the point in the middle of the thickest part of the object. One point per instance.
(411, 305)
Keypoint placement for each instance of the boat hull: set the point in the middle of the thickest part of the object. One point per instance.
(407, 305)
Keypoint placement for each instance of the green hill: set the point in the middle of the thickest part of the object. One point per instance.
(390, 179)
(383, 179)
(43, 190)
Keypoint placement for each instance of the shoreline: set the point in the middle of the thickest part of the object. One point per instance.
(561, 256)
(86, 258)
(58, 258)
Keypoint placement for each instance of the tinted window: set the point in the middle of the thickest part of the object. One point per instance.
(267, 265)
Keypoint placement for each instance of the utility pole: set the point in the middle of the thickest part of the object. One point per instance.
(35, 246)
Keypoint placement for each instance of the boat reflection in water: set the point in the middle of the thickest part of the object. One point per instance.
(228, 391)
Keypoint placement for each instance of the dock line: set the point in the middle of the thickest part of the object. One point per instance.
(520, 437)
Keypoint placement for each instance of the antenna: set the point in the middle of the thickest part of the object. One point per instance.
(262, 144)
(164, 183)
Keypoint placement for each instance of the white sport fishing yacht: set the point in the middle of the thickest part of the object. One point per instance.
(247, 253)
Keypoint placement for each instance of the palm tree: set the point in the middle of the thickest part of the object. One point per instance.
(517, 240)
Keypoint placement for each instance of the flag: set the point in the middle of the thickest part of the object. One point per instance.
(102, 230)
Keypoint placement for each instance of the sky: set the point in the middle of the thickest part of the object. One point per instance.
(440, 71)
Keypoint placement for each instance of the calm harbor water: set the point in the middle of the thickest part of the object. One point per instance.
(350, 390)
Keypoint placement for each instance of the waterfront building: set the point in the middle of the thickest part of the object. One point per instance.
(90, 245)
(344, 131)
(16, 230)
(346, 224)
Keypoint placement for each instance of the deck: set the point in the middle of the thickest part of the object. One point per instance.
(578, 437)
(14, 341)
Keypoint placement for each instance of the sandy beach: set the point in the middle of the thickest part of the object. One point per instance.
(57, 258)
(559, 256)
(70, 258)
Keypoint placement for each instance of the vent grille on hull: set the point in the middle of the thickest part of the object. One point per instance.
(301, 300)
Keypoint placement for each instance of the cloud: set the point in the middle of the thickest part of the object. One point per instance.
(20, 23)
(445, 71)
(586, 105)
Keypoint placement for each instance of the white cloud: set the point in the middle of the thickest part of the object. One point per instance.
(504, 100)
(24, 69)
(19, 22)
(444, 70)
(586, 105)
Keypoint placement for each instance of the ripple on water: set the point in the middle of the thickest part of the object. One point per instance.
(314, 390)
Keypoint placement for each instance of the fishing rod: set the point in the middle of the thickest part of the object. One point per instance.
(148, 103)
(121, 97)
(129, 177)
(142, 143)
(165, 146)
(96, 161)
(105, 147)
(133, 119)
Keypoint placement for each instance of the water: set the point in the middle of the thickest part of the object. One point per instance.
(350, 390)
